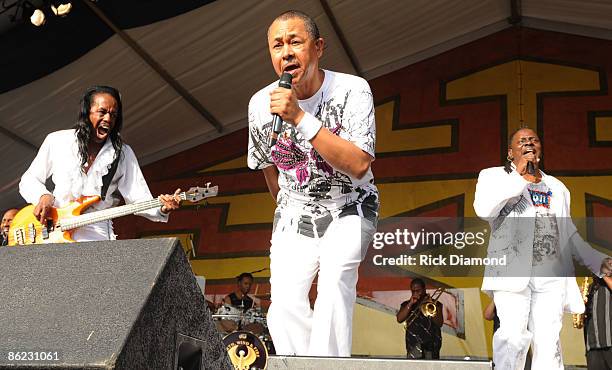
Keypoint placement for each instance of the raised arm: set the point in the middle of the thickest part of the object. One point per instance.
(493, 190)
(352, 155)
(402, 314)
(341, 154)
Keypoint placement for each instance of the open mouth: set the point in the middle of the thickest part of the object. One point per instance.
(529, 150)
(102, 130)
(290, 68)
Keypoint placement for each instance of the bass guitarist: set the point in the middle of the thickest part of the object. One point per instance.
(88, 160)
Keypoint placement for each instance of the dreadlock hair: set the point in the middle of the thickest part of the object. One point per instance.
(508, 162)
(84, 127)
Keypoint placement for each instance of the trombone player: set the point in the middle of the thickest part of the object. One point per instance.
(423, 323)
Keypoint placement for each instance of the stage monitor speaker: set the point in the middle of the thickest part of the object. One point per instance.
(130, 304)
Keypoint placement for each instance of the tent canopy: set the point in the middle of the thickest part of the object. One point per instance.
(186, 69)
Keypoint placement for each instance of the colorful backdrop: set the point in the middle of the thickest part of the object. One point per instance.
(439, 122)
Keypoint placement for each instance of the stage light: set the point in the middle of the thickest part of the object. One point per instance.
(39, 11)
(61, 9)
(38, 18)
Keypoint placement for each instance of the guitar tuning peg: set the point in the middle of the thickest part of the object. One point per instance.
(208, 184)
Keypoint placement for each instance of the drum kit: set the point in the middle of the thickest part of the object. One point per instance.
(243, 329)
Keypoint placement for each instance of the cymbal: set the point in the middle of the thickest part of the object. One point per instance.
(228, 316)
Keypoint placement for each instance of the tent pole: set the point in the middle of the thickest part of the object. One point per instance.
(156, 67)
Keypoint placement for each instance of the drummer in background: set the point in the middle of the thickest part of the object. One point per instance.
(239, 297)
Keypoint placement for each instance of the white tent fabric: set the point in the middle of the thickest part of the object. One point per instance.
(218, 52)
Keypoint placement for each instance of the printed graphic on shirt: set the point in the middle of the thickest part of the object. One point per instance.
(258, 151)
(540, 198)
(344, 106)
(546, 248)
(314, 175)
(546, 239)
(517, 205)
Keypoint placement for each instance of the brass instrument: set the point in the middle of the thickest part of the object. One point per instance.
(578, 318)
(427, 307)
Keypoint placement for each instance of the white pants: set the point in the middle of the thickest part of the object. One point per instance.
(533, 315)
(295, 260)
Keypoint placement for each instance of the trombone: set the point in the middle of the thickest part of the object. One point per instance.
(427, 307)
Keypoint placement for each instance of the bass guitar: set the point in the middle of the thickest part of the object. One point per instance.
(61, 222)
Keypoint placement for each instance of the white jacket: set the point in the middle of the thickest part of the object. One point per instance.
(512, 233)
(58, 158)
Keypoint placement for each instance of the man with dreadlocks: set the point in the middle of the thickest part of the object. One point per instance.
(78, 160)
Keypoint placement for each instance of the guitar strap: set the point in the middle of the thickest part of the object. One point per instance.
(106, 179)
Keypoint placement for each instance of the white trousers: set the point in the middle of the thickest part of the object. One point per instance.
(295, 259)
(531, 316)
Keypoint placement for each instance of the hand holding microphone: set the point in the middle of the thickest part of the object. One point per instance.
(277, 121)
(531, 159)
(530, 168)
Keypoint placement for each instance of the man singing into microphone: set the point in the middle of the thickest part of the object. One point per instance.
(319, 174)
(529, 214)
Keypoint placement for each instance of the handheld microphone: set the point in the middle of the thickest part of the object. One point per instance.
(530, 168)
(277, 121)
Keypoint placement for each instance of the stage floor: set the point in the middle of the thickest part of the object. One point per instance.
(318, 363)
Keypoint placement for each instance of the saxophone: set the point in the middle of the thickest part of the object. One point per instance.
(578, 318)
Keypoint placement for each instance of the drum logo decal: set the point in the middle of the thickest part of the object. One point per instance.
(245, 350)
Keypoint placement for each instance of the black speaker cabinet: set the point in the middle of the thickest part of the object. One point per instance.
(131, 304)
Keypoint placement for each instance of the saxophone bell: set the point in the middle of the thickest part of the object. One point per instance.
(578, 318)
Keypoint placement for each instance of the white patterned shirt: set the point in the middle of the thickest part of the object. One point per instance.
(344, 105)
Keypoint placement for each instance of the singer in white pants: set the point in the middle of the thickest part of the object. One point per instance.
(535, 315)
(529, 215)
(316, 165)
(294, 262)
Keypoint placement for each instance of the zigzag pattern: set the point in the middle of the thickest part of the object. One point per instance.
(440, 121)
